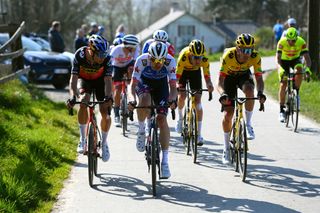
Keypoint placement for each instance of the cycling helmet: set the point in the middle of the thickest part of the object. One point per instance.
(292, 22)
(160, 35)
(158, 50)
(130, 40)
(245, 40)
(197, 47)
(117, 41)
(98, 43)
(292, 33)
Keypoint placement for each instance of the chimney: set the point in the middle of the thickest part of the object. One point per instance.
(174, 7)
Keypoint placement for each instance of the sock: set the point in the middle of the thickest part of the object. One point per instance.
(282, 107)
(199, 127)
(82, 128)
(226, 140)
(104, 136)
(116, 111)
(180, 114)
(248, 117)
(165, 156)
(141, 126)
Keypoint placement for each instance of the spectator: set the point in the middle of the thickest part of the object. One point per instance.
(290, 23)
(80, 39)
(94, 28)
(278, 30)
(55, 39)
(120, 32)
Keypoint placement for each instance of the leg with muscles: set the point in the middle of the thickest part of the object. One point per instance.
(226, 125)
(82, 120)
(144, 100)
(105, 127)
(181, 102)
(164, 138)
(248, 89)
(200, 115)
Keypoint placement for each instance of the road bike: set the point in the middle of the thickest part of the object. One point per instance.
(152, 147)
(124, 112)
(190, 122)
(93, 144)
(238, 137)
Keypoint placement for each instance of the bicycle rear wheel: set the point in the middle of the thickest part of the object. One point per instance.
(154, 139)
(124, 114)
(91, 154)
(242, 150)
(295, 110)
(194, 135)
(185, 134)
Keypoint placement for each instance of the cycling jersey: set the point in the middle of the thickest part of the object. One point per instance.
(146, 45)
(291, 52)
(142, 68)
(88, 71)
(120, 59)
(184, 64)
(231, 66)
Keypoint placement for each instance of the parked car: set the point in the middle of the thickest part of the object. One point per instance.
(46, 67)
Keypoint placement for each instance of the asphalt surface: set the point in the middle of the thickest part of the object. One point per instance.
(283, 170)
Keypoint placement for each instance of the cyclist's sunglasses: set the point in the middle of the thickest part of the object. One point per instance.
(101, 54)
(197, 57)
(158, 61)
(246, 50)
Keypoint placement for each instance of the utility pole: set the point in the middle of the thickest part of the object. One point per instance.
(314, 35)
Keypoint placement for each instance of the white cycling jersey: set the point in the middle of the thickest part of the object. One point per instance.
(120, 59)
(142, 67)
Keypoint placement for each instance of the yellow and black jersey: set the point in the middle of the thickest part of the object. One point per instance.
(184, 64)
(231, 66)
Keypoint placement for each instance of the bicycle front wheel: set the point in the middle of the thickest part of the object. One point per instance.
(154, 138)
(194, 134)
(124, 114)
(295, 110)
(91, 154)
(233, 153)
(242, 150)
(185, 134)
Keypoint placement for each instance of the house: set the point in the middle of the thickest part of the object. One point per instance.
(182, 27)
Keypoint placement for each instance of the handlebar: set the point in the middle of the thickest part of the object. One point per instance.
(242, 100)
(90, 104)
(193, 92)
(173, 113)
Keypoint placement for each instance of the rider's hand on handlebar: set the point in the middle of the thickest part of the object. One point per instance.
(173, 104)
(131, 105)
(262, 97)
(224, 99)
(71, 102)
(210, 87)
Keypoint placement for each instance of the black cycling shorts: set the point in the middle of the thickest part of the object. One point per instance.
(87, 86)
(194, 78)
(119, 72)
(233, 82)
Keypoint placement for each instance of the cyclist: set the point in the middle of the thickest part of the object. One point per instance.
(235, 72)
(154, 73)
(91, 70)
(190, 61)
(289, 50)
(116, 42)
(123, 58)
(162, 36)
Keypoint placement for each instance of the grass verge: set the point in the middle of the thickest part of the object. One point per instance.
(38, 142)
(309, 95)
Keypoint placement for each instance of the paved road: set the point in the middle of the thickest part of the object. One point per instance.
(283, 172)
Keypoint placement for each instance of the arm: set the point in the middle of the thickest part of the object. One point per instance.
(73, 86)
(206, 74)
(108, 86)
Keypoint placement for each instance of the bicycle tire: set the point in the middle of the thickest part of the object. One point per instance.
(91, 154)
(295, 110)
(233, 153)
(98, 147)
(185, 134)
(288, 109)
(194, 135)
(153, 160)
(124, 113)
(242, 150)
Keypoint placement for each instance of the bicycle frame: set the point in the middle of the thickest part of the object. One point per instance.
(292, 101)
(124, 106)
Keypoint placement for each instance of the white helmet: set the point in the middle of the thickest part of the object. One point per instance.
(160, 35)
(158, 50)
(130, 40)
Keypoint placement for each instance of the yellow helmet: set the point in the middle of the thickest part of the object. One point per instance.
(197, 47)
(245, 40)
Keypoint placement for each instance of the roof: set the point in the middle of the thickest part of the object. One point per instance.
(160, 24)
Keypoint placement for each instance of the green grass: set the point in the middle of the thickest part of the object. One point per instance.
(38, 142)
(309, 95)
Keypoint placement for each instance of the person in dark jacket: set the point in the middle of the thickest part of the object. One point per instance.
(80, 39)
(55, 39)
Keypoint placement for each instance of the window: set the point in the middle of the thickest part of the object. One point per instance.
(186, 30)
